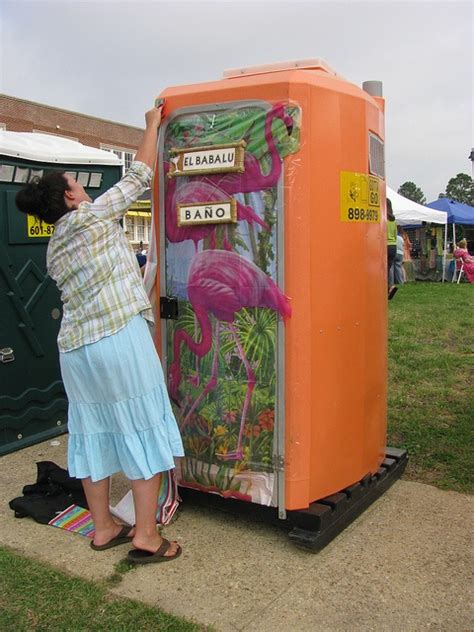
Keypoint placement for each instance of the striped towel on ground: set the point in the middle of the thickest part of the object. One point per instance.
(75, 519)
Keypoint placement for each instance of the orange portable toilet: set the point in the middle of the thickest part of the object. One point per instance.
(270, 187)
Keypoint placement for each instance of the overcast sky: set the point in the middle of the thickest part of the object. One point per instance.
(110, 59)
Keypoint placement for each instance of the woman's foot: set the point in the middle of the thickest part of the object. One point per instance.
(106, 535)
(167, 552)
(153, 543)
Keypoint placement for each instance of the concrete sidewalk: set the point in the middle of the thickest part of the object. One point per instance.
(405, 564)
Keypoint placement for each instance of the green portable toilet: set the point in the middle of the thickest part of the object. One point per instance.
(33, 404)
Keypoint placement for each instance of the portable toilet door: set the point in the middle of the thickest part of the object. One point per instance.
(33, 404)
(221, 246)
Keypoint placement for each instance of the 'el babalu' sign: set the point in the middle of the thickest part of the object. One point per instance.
(210, 159)
(223, 212)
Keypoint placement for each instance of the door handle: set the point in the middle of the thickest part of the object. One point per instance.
(169, 307)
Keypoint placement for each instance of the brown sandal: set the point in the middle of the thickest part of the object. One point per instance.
(140, 556)
(121, 538)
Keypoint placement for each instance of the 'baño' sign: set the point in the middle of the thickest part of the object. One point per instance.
(211, 159)
(208, 213)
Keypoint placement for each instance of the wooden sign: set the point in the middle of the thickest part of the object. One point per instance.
(224, 212)
(209, 159)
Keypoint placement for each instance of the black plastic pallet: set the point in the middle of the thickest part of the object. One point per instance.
(313, 528)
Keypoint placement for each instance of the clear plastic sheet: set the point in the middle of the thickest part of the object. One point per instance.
(222, 350)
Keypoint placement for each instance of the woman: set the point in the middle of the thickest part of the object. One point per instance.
(461, 253)
(119, 418)
(391, 249)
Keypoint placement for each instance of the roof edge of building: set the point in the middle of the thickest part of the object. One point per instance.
(51, 107)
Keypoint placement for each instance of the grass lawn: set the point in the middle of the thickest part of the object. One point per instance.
(34, 596)
(431, 380)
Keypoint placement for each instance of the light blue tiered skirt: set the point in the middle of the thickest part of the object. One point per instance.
(120, 417)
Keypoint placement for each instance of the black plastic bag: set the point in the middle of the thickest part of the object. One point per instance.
(52, 493)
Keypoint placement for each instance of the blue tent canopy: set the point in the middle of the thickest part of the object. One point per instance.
(458, 213)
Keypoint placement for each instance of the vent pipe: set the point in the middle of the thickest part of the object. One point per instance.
(374, 88)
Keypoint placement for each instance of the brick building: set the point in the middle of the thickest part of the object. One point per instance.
(19, 115)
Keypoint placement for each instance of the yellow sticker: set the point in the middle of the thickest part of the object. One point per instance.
(360, 197)
(38, 228)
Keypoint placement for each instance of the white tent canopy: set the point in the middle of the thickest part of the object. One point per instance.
(408, 212)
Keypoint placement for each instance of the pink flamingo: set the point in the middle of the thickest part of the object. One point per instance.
(191, 192)
(253, 179)
(222, 283)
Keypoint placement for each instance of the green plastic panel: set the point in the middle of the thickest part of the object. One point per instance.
(33, 404)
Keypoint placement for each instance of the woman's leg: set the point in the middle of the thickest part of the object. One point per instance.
(97, 495)
(145, 499)
(391, 253)
(398, 270)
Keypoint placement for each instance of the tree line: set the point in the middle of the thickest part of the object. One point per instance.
(460, 188)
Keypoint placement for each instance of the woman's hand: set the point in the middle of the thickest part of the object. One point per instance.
(148, 147)
(153, 117)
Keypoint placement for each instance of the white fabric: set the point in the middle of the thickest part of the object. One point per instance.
(408, 212)
(151, 267)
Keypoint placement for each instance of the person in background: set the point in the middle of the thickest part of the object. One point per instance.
(391, 249)
(141, 258)
(399, 272)
(407, 260)
(120, 417)
(461, 253)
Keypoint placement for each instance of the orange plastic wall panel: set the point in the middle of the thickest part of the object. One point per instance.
(336, 371)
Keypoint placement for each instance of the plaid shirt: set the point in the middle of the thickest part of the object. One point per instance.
(93, 264)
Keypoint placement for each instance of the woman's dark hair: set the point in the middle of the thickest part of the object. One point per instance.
(390, 215)
(44, 197)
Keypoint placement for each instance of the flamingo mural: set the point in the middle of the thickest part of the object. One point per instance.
(253, 178)
(221, 283)
(219, 187)
(192, 191)
(223, 347)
